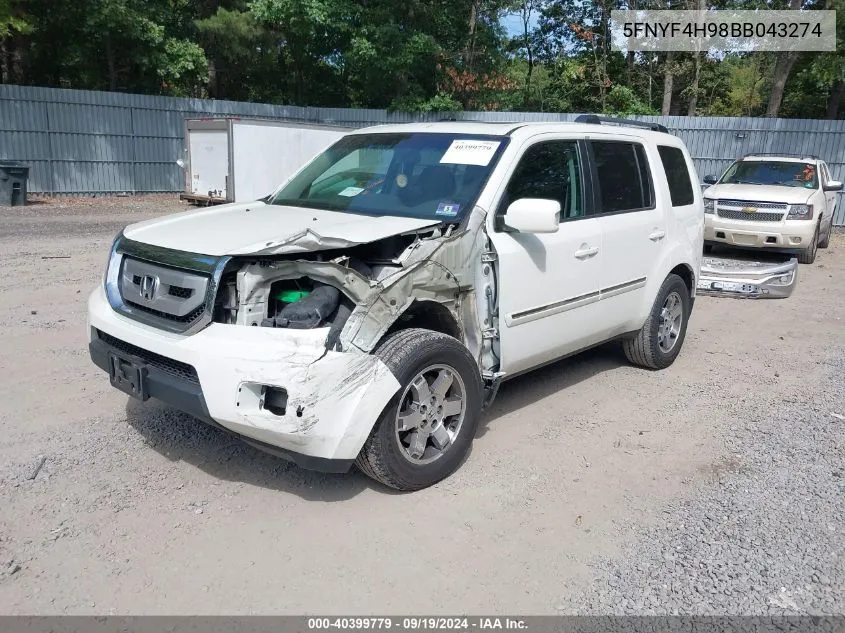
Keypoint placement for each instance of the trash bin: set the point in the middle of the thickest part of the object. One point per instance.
(13, 178)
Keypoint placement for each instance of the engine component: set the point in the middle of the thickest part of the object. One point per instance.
(309, 312)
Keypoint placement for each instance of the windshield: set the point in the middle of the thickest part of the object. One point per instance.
(786, 174)
(430, 176)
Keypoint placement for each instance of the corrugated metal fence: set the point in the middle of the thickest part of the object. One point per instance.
(102, 142)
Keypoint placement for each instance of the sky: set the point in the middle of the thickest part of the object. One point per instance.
(513, 23)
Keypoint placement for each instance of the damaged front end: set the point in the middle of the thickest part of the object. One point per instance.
(279, 343)
(429, 278)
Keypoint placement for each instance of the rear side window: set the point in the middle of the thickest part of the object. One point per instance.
(624, 180)
(677, 174)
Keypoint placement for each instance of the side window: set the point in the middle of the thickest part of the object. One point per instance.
(549, 170)
(677, 174)
(624, 180)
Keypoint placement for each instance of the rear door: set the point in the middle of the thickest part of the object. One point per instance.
(548, 282)
(634, 229)
(208, 147)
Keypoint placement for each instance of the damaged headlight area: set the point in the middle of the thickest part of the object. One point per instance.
(278, 295)
(320, 290)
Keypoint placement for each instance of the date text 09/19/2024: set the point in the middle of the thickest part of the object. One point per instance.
(416, 623)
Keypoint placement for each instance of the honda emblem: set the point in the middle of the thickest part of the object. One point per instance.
(149, 285)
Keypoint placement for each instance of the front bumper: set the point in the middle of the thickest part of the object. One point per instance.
(736, 277)
(786, 234)
(220, 374)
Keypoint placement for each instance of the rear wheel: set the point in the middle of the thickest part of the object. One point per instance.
(808, 255)
(426, 431)
(658, 343)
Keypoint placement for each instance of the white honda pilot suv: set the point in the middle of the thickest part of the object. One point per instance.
(772, 201)
(367, 310)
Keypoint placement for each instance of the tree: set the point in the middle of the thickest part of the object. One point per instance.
(14, 23)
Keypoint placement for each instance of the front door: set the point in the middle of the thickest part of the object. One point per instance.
(548, 282)
(831, 198)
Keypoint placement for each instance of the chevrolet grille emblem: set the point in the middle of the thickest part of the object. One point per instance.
(749, 210)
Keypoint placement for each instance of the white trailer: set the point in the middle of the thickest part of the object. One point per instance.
(239, 160)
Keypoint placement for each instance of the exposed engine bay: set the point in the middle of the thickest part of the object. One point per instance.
(435, 277)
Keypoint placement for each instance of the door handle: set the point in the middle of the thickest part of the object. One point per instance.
(584, 253)
(657, 235)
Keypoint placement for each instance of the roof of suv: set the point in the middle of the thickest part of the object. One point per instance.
(508, 128)
(781, 158)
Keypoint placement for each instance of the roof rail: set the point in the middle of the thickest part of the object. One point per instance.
(595, 119)
(453, 120)
(787, 154)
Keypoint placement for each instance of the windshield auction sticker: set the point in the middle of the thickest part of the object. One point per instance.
(469, 152)
(723, 31)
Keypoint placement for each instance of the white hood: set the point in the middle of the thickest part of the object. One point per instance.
(258, 228)
(759, 193)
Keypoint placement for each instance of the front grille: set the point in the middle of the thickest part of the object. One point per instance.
(165, 293)
(182, 293)
(172, 367)
(730, 214)
(741, 204)
(188, 318)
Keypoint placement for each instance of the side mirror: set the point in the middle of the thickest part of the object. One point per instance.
(533, 215)
(710, 180)
(833, 185)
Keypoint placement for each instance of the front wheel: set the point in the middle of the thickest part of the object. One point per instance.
(825, 241)
(659, 341)
(808, 255)
(426, 431)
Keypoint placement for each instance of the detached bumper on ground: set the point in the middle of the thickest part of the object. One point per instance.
(725, 276)
(280, 390)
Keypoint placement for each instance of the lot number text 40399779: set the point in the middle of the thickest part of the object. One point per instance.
(416, 623)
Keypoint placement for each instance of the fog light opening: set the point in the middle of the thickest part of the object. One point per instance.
(274, 400)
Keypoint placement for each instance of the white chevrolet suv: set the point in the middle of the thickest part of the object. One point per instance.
(367, 310)
(772, 201)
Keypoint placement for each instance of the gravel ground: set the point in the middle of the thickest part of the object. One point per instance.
(714, 487)
(765, 538)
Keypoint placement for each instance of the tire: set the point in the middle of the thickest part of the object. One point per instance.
(808, 255)
(825, 241)
(646, 349)
(388, 454)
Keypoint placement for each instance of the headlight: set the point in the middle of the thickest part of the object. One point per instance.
(709, 205)
(110, 276)
(800, 212)
(112, 250)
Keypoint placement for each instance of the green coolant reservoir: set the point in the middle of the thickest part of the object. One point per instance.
(291, 296)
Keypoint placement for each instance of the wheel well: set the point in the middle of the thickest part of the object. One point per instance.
(684, 272)
(428, 315)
